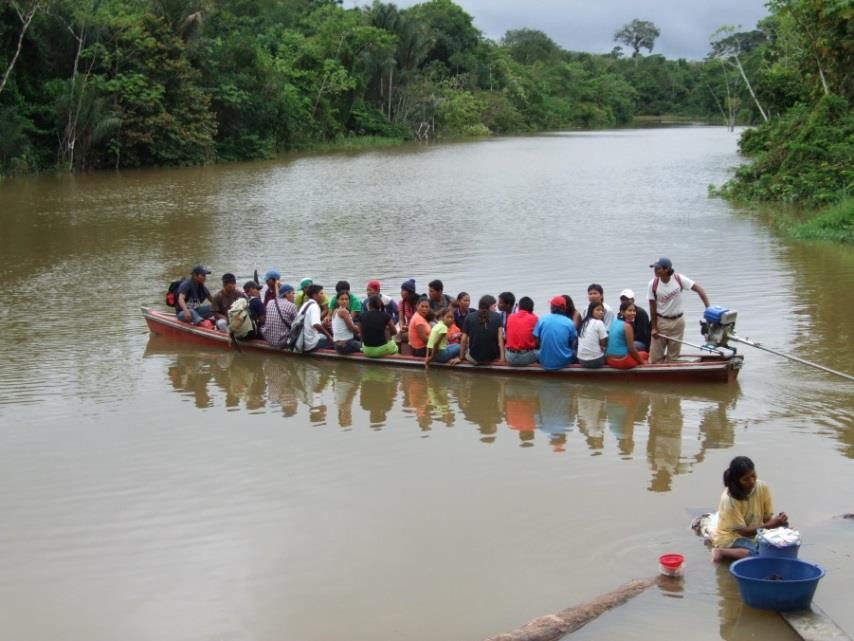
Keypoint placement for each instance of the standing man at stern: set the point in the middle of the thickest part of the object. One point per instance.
(665, 309)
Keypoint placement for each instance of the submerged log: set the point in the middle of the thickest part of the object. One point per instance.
(553, 626)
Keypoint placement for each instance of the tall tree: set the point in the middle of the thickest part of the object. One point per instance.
(728, 44)
(25, 12)
(638, 34)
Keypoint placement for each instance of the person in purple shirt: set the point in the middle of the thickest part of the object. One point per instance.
(557, 336)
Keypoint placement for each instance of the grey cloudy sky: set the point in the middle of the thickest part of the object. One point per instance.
(589, 25)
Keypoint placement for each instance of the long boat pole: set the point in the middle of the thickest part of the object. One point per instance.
(790, 357)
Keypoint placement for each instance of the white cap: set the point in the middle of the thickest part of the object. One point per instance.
(627, 293)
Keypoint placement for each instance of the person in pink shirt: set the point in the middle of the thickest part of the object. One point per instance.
(521, 346)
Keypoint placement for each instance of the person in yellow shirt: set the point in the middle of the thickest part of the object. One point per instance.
(745, 507)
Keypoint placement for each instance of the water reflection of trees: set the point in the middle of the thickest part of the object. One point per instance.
(678, 426)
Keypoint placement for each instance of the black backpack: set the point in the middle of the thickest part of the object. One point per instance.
(172, 293)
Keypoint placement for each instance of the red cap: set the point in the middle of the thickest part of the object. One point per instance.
(374, 284)
(558, 301)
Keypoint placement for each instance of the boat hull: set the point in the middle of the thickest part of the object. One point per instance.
(705, 369)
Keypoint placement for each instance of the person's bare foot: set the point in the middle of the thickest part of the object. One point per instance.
(717, 555)
(453, 361)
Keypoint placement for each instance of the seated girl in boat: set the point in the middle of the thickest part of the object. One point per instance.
(377, 329)
(593, 337)
(344, 330)
(483, 334)
(419, 328)
(745, 507)
(438, 347)
(462, 308)
(621, 352)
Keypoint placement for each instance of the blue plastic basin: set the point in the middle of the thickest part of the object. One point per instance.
(779, 584)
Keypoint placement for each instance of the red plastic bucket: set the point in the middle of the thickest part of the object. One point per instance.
(671, 564)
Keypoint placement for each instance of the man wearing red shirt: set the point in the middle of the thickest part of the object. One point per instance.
(521, 346)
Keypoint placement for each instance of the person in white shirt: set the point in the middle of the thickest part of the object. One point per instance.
(316, 336)
(595, 294)
(666, 311)
(592, 337)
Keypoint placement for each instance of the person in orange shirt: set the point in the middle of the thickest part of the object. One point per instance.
(419, 328)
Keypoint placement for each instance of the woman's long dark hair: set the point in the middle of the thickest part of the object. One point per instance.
(738, 467)
(570, 306)
(587, 318)
(486, 301)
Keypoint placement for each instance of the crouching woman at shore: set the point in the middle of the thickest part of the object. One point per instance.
(376, 328)
(745, 507)
(621, 352)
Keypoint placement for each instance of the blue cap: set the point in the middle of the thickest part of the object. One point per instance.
(409, 285)
(201, 269)
(662, 262)
(284, 289)
(272, 275)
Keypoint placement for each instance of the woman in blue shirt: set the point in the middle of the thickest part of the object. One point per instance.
(622, 353)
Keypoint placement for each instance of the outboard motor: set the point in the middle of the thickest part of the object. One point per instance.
(718, 325)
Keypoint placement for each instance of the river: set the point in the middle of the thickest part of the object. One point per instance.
(152, 490)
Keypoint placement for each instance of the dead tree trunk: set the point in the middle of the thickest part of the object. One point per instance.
(750, 88)
(26, 18)
(554, 626)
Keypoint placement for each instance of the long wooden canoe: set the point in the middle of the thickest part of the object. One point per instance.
(688, 369)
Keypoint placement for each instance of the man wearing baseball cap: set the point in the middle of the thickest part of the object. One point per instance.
(374, 288)
(270, 290)
(666, 309)
(641, 324)
(557, 336)
(194, 299)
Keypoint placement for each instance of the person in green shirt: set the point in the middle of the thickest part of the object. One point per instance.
(438, 349)
(343, 287)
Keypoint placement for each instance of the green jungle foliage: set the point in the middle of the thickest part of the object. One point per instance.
(128, 83)
(804, 153)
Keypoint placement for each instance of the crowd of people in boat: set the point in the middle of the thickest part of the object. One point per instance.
(441, 329)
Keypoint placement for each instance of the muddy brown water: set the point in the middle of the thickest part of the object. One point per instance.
(152, 490)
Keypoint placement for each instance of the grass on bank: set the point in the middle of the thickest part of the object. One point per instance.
(834, 224)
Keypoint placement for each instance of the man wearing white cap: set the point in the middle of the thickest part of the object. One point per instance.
(641, 322)
(665, 308)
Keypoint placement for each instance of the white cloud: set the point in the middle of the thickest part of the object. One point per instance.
(581, 25)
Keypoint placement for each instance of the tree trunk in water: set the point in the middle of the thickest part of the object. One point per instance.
(26, 19)
(750, 89)
(729, 101)
(69, 136)
(717, 102)
(552, 627)
(390, 85)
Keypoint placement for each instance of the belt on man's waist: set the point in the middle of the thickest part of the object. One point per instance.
(669, 317)
(519, 351)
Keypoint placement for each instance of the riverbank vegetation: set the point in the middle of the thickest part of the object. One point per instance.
(803, 153)
(129, 83)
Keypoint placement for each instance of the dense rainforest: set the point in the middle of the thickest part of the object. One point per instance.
(128, 83)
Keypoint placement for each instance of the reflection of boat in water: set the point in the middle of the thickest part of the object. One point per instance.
(696, 369)
(671, 428)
